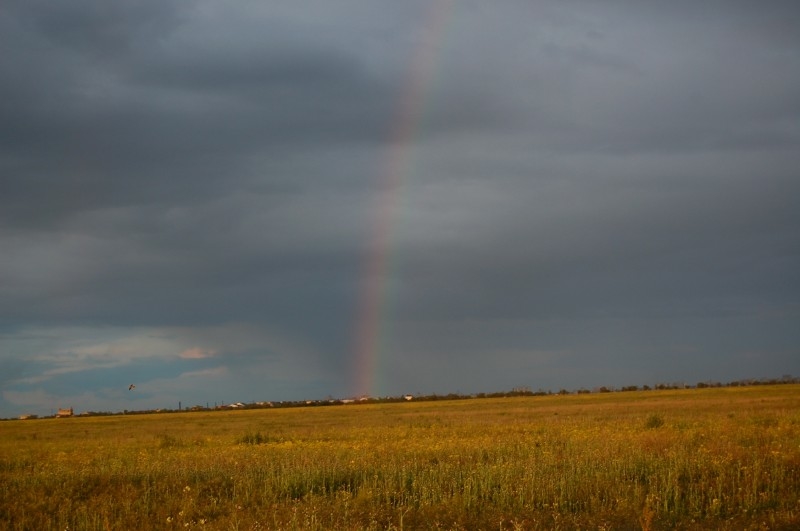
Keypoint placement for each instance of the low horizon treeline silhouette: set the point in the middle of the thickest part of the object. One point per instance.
(514, 392)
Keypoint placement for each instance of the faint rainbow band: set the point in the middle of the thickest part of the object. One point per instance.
(374, 308)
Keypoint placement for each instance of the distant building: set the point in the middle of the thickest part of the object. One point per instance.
(64, 413)
(28, 417)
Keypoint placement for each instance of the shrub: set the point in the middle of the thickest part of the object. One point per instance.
(169, 441)
(253, 438)
(654, 421)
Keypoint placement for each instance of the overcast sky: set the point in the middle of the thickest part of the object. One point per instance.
(243, 201)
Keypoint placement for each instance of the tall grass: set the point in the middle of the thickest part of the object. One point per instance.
(721, 458)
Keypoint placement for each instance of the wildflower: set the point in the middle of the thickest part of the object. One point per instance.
(187, 488)
(169, 519)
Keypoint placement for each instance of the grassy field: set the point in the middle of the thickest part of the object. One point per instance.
(725, 458)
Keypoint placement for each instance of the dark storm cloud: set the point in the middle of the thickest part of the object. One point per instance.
(106, 107)
(609, 185)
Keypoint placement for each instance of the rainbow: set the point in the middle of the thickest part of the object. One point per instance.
(373, 318)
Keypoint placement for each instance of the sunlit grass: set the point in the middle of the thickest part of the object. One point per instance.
(694, 459)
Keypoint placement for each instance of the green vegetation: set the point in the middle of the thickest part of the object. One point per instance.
(723, 458)
(654, 421)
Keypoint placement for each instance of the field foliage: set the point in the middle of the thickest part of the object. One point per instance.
(691, 459)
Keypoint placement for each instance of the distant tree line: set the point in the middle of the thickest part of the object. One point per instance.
(516, 391)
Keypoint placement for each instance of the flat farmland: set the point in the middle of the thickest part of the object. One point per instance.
(723, 458)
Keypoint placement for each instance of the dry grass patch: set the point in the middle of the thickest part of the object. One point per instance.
(694, 459)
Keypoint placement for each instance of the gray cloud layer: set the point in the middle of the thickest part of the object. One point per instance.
(595, 193)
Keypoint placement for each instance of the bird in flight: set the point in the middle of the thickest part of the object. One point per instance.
(131, 387)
